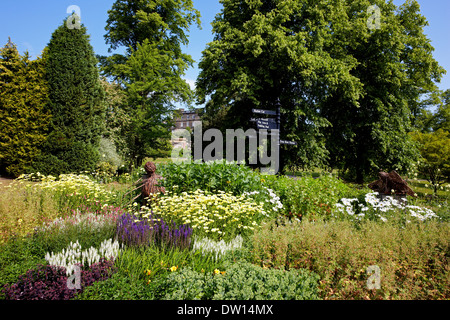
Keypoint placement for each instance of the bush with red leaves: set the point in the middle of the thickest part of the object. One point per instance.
(50, 282)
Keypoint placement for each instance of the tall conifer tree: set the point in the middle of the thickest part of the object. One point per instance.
(23, 120)
(76, 103)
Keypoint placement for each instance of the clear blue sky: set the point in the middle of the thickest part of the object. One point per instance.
(30, 24)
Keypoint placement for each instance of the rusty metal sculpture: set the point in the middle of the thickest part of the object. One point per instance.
(150, 185)
(391, 183)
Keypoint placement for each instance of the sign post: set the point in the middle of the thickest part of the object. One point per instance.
(272, 124)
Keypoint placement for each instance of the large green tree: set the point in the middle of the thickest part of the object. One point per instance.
(151, 69)
(346, 89)
(269, 51)
(76, 103)
(23, 120)
(397, 69)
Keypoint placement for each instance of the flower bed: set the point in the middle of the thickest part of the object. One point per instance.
(275, 238)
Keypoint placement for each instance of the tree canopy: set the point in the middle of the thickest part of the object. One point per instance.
(346, 90)
(151, 70)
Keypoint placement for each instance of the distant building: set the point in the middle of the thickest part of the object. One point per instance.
(187, 119)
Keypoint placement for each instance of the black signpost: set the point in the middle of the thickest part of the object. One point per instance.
(272, 124)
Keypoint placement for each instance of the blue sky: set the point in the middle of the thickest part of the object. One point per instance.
(30, 24)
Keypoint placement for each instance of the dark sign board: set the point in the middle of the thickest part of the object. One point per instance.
(261, 111)
(263, 120)
(266, 125)
(292, 143)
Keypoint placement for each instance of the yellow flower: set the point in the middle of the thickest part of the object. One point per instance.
(172, 269)
(216, 271)
(262, 180)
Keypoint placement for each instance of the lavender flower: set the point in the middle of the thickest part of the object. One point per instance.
(151, 230)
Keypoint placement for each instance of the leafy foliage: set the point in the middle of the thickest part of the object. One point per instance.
(50, 283)
(413, 259)
(309, 198)
(345, 91)
(435, 150)
(241, 281)
(151, 70)
(23, 118)
(211, 176)
(76, 104)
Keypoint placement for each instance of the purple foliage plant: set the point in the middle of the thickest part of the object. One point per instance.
(47, 282)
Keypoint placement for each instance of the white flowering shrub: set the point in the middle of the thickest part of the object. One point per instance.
(375, 209)
(218, 248)
(74, 254)
(216, 216)
(268, 198)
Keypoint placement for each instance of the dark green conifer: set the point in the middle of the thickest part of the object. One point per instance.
(76, 103)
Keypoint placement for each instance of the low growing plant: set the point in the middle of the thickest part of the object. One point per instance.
(50, 283)
(240, 281)
(414, 259)
(309, 198)
(74, 255)
(149, 263)
(218, 248)
(372, 208)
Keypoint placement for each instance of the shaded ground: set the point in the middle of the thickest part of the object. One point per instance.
(5, 181)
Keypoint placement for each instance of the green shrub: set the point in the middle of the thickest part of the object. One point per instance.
(75, 103)
(240, 281)
(414, 260)
(108, 152)
(212, 176)
(17, 256)
(310, 198)
(118, 287)
(73, 157)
